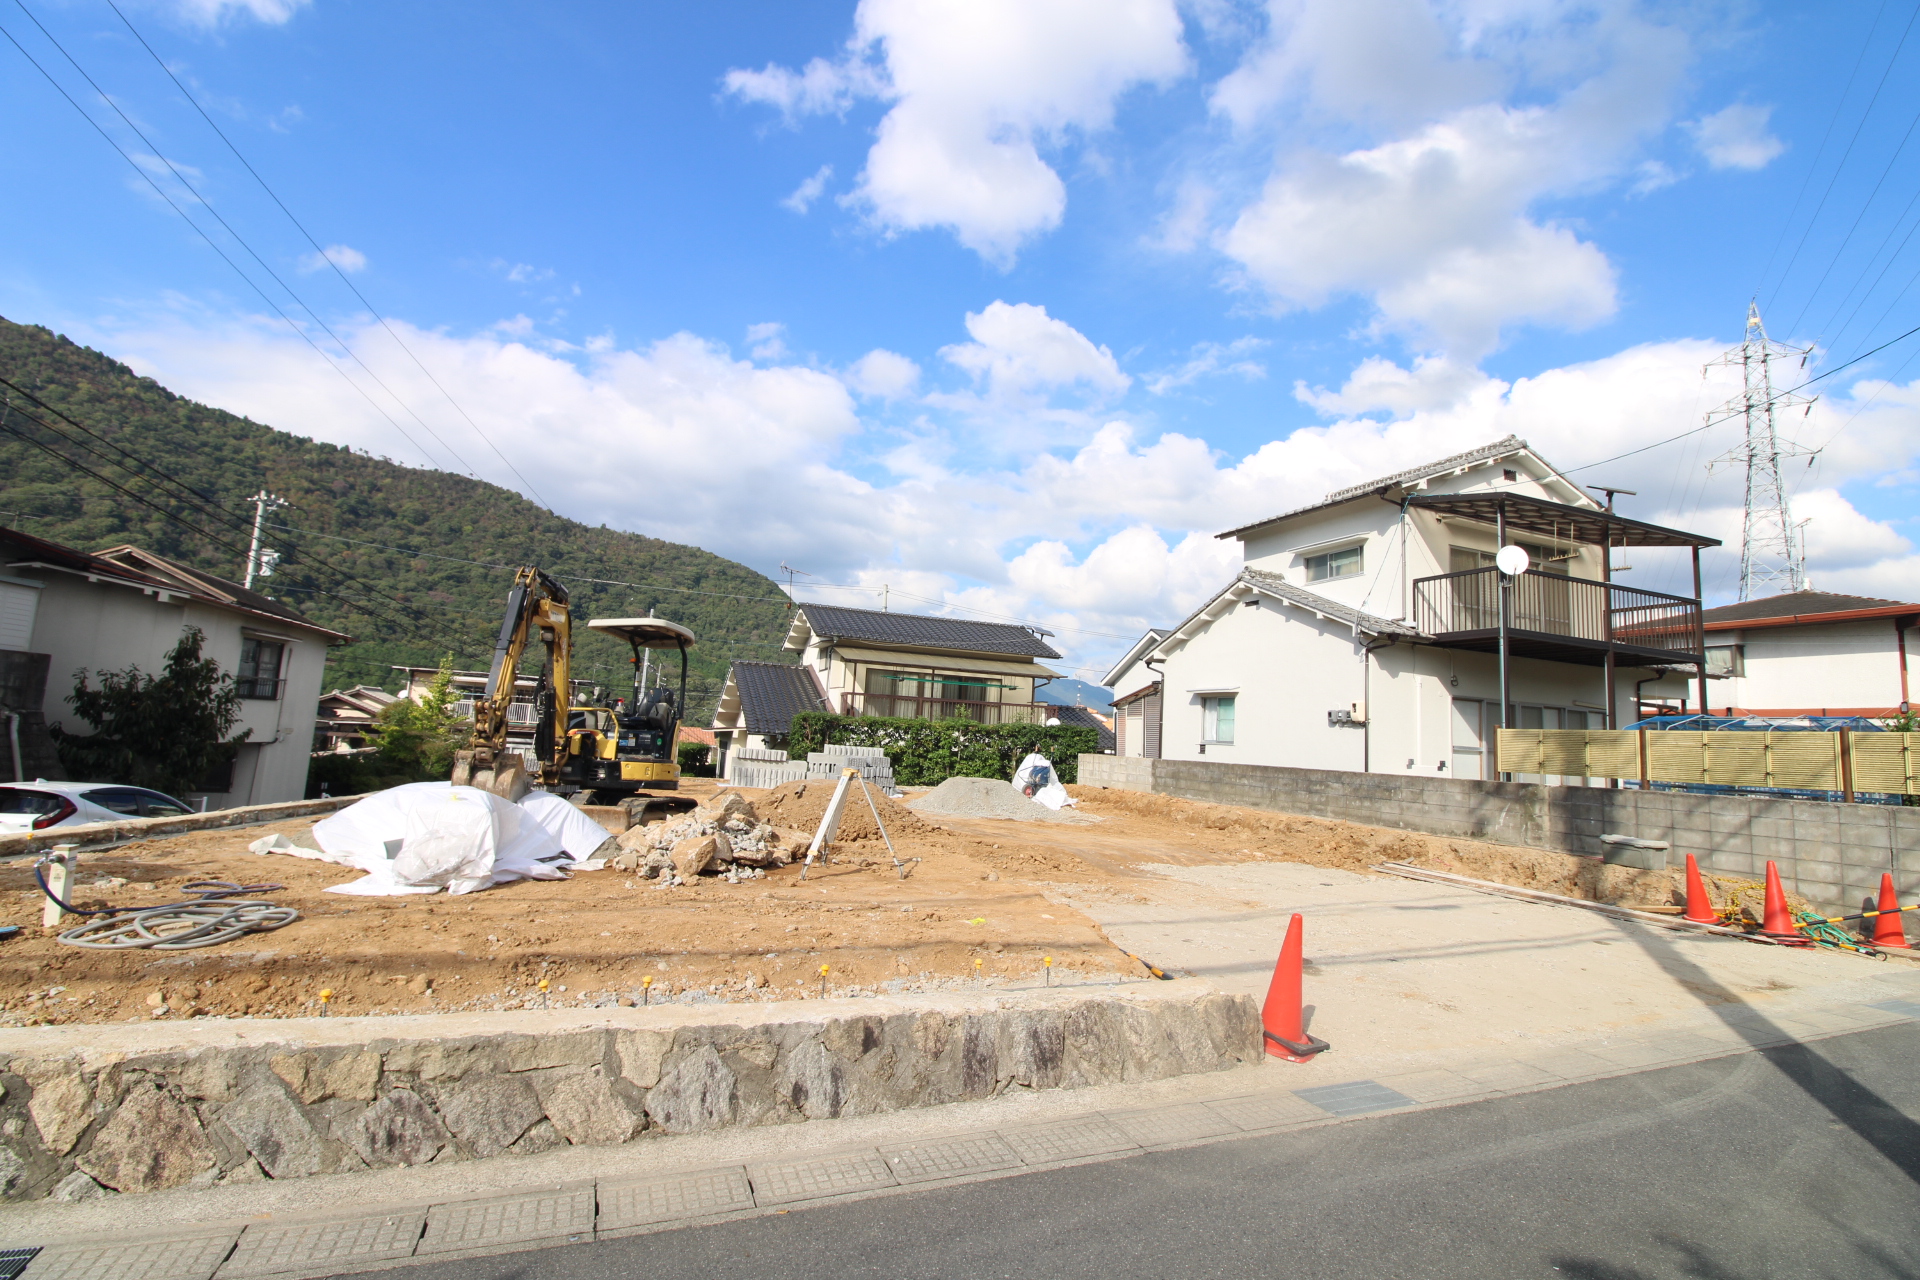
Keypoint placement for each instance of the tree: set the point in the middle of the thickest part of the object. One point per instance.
(418, 739)
(168, 732)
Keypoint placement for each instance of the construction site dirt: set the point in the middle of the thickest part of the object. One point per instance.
(984, 902)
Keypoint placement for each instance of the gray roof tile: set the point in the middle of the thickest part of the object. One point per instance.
(920, 631)
(772, 693)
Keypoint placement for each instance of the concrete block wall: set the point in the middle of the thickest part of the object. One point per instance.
(1833, 854)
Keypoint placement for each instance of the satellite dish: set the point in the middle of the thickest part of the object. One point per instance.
(1513, 561)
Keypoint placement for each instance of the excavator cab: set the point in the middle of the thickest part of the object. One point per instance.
(625, 754)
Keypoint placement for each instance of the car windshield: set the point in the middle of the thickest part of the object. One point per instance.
(37, 803)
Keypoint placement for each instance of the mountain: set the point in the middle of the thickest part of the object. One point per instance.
(1075, 693)
(381, 551)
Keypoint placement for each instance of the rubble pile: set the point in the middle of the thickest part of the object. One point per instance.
(725, 837)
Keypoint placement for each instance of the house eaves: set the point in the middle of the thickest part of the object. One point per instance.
(1252, 582)
(1420, 477)
(914, 631)
(1145, 645)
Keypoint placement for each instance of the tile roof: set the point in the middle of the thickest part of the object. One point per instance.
(1275, 585)
(1082, 718)
(772, 693)
(1802, 604)
(920, 631)
(1412, 475)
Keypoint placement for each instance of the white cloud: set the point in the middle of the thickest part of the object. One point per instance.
(1019, 349)
(523, 272)
(1108, 534)
(345, 257)
(1210, 359)
(1736, 137)
(808, 191)
(975, 88)
(209, 13)
(884, 374)
(766, 340)
(1481, 113)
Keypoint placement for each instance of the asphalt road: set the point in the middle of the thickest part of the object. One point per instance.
(1801, 1162)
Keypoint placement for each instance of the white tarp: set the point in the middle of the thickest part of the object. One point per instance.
(429, 836)
(578, 834)
(1036, 771)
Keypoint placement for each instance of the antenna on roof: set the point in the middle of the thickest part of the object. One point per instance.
(789, 570)
(1601, 488)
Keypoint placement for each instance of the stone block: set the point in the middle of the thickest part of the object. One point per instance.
(640, 1054)
(572, 1049)
(584, 1108)
(151, 1142)
(61, 1105)
(399, 1129)
(488, 1113)
(277, 1133)
(695, 1092)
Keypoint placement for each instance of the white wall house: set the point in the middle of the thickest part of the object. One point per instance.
(126, 607)
(1362, 632)
(872, 662)
(1804, 653)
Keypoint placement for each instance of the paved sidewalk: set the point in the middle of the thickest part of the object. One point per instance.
(895, 1153)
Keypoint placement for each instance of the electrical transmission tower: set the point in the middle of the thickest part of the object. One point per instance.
(1770, 561)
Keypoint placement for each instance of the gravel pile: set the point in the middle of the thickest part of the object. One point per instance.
(988, 798)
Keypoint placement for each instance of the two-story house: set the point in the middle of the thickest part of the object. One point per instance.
(1803, 653)
(871, 662)
(1372, 631)
(126, 607)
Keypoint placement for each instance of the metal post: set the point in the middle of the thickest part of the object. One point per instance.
(1699, 630)
(1506, 687)
(262, 502)
(1606, 576)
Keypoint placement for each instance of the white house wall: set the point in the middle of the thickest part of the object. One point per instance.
(1288, 669)
(100, 626)
(1847, 667)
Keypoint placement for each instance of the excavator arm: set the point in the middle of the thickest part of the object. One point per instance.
(536, 601)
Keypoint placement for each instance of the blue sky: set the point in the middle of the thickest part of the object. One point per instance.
(1006, 305)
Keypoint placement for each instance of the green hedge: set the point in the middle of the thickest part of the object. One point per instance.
(928, 752)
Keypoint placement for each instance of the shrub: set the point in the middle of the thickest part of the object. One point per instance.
(928, 752)
(167, 731)
(696, 760)
(417, 740)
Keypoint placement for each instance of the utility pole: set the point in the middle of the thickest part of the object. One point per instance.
(260, 563)
(1769, 564)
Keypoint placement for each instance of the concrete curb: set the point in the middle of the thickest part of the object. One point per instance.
(97, 835)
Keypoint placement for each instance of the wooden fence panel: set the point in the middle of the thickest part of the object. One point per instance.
(1886, 762)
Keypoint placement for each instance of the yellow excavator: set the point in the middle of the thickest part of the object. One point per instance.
(618, 754)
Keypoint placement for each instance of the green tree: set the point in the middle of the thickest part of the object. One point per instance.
(418, 739)
(168, 732)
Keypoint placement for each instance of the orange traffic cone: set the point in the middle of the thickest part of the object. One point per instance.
(1886, 926)
(1778, 921)
(1283, 1027)
(1699, 906)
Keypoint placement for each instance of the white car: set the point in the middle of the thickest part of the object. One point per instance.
(38, 805)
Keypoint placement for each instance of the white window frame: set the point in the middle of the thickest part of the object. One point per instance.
(1324, 561)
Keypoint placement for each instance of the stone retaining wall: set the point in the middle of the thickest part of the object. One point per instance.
(89, 1111)
(1833, 854)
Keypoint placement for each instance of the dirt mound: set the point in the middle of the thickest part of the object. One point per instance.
(801, 805)
(989, 798)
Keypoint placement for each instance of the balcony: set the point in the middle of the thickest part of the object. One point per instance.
(1560, 619)
(909, 708)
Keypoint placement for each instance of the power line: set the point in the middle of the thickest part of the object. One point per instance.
(1845, 155)
(324, 255)
(1857, 220)
(224, 257)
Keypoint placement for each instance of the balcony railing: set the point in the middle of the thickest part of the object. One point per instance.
(1567, 619)
(907, 708)
(260, 688)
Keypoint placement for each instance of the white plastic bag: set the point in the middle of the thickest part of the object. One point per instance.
(1036, 780)
(428, 836)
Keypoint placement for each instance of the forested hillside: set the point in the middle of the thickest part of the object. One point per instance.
(378, 550)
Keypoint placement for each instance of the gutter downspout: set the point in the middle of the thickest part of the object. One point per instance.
(1160, 727)
(1366, 698)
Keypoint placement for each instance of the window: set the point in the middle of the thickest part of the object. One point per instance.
(260, 669)
(1726, 660)
(1344, 563)
(1216, 719)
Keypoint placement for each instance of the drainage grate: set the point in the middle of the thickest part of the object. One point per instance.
(1355, 1098)
(1905, 1007)
(14, 1261)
